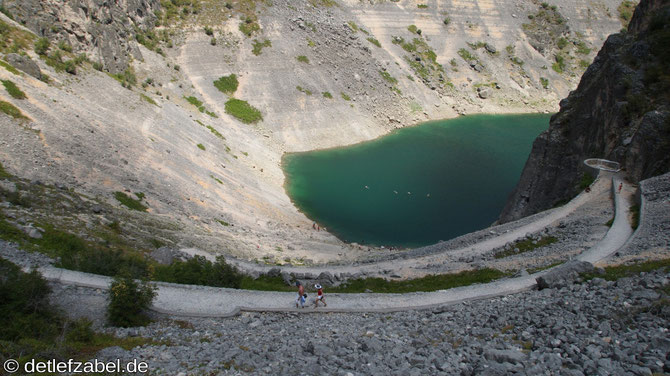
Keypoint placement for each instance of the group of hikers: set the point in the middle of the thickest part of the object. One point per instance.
(302, 296)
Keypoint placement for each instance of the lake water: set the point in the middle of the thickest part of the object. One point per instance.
(417, 185)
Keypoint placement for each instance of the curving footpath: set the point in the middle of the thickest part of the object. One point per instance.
(201, 301)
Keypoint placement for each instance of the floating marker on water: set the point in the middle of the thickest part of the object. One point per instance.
(366, 187)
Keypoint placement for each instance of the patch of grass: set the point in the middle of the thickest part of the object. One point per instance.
(388, 78)
(544, 82)
(427, 283)
(477, 45)
(612, 273)
(9, 68)
(194, 101)
(127, 78)
(353, 26)
(327, 95)
(303, 59)
(215, 132)
(446, 21)
(3, 173)
(148, 99)
(223, 223)
(626, 9)
(413, 29)
(562, 42)
(323, 3)
(584, 63)
(216, 179)
(243, 111)
(541, 268)
(516, 60)
(209, 31)
(610, 222)
(586, 181)
(11, 110)
(258, 46)
(635, 216)
(201, 146)
(249, 25)
(525, 245)
(227, 84)
(559, 65)
(374, 41)
(13, 90)
(582, 48)
(466, 55)
(422, 6)
(345, 96)
(303, 90)
(130, 202)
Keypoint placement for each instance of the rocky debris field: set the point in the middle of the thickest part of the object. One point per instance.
(594, 328)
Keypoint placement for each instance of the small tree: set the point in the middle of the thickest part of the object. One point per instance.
(128, 302)
(42, 46)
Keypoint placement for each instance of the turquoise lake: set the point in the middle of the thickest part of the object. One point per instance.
(417, 185)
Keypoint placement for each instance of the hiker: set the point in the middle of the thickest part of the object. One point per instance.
(620, 186)
(300, 300)
(319, 296)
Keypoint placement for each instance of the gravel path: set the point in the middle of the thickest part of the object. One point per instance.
(201, 301)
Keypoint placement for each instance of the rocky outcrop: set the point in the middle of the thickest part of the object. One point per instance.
(619, 111)
(104, 29)
(25, 64)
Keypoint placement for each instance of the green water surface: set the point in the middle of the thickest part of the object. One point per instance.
(418, 185)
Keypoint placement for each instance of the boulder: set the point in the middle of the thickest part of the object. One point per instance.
(563, 275)
(484, 92)
(24, 64)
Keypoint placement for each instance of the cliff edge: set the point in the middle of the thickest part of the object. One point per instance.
(620, 111)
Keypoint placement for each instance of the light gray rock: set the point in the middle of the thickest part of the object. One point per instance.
(563, 275)
(24, 64)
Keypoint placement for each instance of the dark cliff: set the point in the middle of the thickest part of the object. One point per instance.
(104, 29)
(620, 111)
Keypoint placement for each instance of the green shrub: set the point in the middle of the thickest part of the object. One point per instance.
(303, 90)
(258, 46)
(526, 245)
(388, 78)
(42, 46)
(559, 65)
(13, 90)
(65, 46)
(212, 41)
(562, 42)
(422, 6)
(97, 66)
(345, 96)
(4, 174)
(303, 59)
(199, 271)
(582, 48)
(209, 31)
(201, 147)
(128, 302)
(129, 202)
(327, 94)
(544, 82)
(243, 111)
(215, 132)
(25, 311)
(374, 41)
(626, 9)
(413, 29)
(148, 99)
(227, 84)
(249, 26)
(446, 21)
(194, 101)
(466, 55)
(11, 110)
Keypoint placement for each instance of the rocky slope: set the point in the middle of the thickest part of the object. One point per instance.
(620, 111)
(219, 181)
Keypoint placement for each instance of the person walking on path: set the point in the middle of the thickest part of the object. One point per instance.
(300, 300)
(620, 186)
(319, 296)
